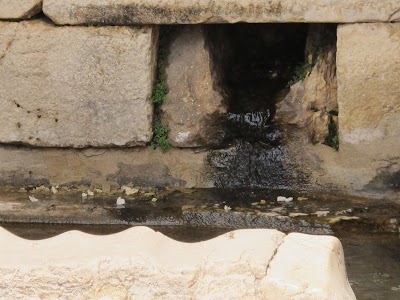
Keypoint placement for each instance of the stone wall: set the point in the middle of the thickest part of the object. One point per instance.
(90, 86)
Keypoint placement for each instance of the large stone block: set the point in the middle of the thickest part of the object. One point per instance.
(308, 267)
(135, 264)
(19, 9)
(217, 11)
(76, 86)
(194, 108)
(368, 72)
(140, 263)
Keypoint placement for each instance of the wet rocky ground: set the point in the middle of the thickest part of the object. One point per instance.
(222, 209)
(368, 229)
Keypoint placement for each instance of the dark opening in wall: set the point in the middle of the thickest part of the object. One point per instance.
(257, 63)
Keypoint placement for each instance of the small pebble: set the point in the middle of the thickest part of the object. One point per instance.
(120, 201)
(263, 202)
(293, 215)
(302, 198)
(154, 200)
(322, 213)
(33, 199)
(227, 208)
(84, 195)
(284, 199)
(129, 191)
(90, 193)
(54, 190)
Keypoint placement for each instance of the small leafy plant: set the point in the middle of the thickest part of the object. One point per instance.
(160, 136)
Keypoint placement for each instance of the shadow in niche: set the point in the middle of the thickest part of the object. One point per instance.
(258, 62)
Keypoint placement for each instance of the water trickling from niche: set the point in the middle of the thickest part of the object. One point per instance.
(261, 61)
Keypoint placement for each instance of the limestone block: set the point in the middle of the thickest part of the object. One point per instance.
(19, 9)
(124, 12)
(368, 73)
(138, 263)
(76, 86)
(194, 108)
(311, 100)
(307, 267)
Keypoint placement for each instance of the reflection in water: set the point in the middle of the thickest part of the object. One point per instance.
(373, 265)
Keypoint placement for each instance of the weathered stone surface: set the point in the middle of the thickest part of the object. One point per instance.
(194, 108)
(311, 101)
(368, 72)
(19, 9)
(75, 86)
(308, 267)
(211, 11)
(144, 167)
(141, 263)
(137, 263)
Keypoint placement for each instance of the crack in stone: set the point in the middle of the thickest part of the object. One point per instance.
(273, 255)
(8, 46)
(391, 17)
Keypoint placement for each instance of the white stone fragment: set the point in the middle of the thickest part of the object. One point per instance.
(120, 201)
(293, 215)
(84, 195)
(321, 213)
(284, 199)
(227, 208)
(33, 199)
(90, 193)
(129, 190)
(54, 190)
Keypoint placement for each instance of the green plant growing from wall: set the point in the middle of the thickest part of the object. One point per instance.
(160, 90)
(160, 136)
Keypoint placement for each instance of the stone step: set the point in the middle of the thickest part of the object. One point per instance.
(123, 12)
(76, 86)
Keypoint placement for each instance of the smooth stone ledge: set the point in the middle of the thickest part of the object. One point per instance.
(144, 264)
(125, 12)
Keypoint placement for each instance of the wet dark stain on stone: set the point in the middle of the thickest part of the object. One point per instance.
(142, 14)
(385, 180)
(152, 174)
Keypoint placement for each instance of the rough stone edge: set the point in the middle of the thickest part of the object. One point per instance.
(292, 237)
(34, 10)
(271, 12)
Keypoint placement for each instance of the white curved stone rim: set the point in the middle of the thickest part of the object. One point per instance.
(140, 263)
